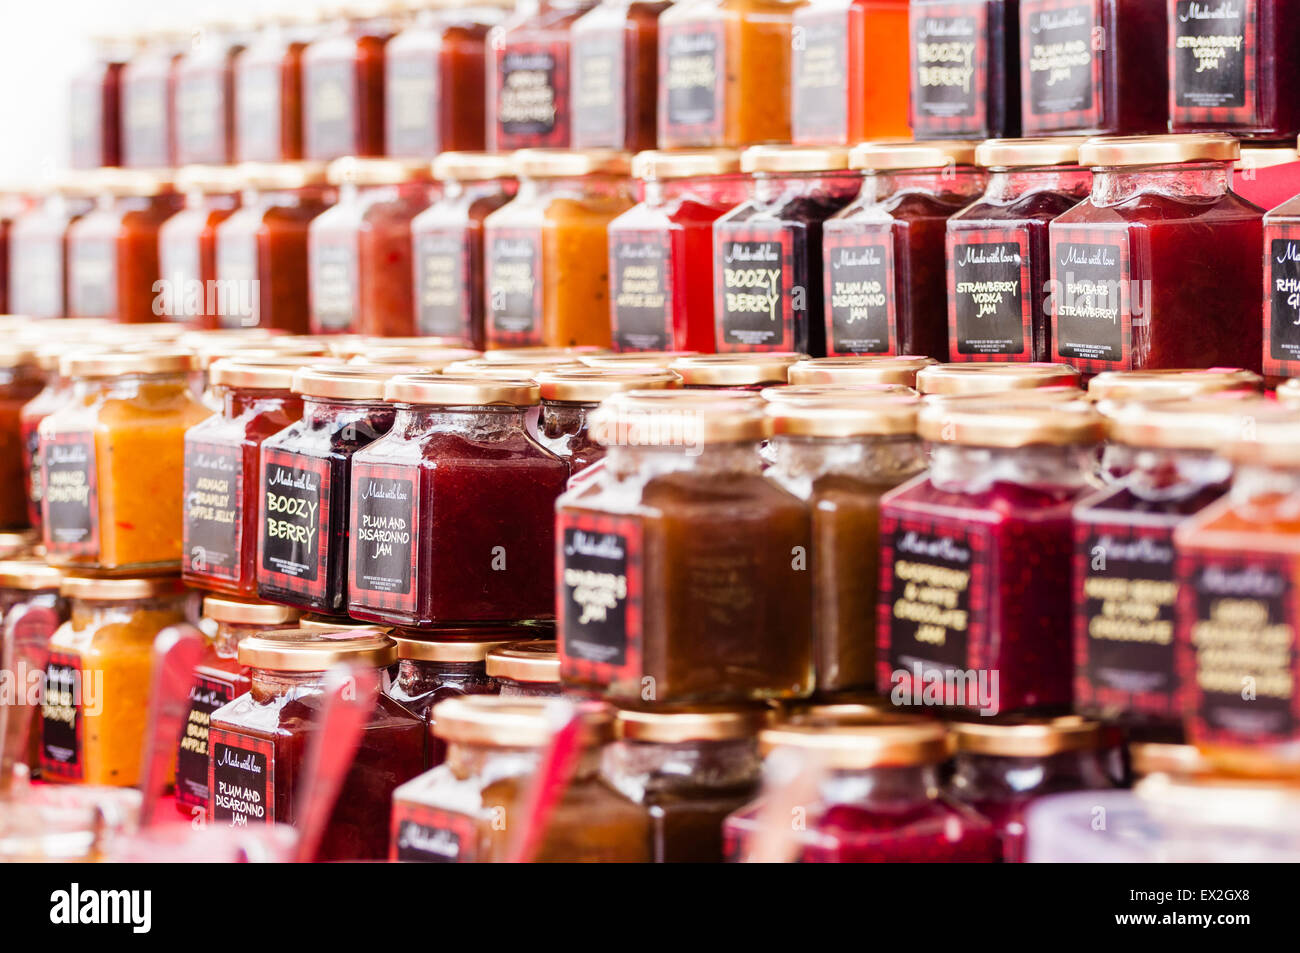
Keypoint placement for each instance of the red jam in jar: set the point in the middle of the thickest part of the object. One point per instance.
(95, 104)
(343, 84)
(268, 90)
(37, 259)
(20, 381)
(525, 669)
(205, 96)
(884, 257)
(187, 244)
(614, 74)
(148, 96)
(1160, 266)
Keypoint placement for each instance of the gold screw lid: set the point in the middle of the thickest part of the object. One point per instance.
(662, 164)
(352, 170)
(342, 383)
(900, 369)
(1171, 384)
(1158, 150)
(497, 722)
(432, 357)
(315, 650)
(891, 156)
(863, 417)
(1178, 760)
(15, 354)
(274, 176)
(636, 360)
(1028, 153)
(460, 391)
(1206, 423)
(124, 183)
(832, 393)
(327, 623)
(490, 370)
(156, 359)
(591, 385)
(542, 355)
(685, 724)
(262, 375)
(472, 166)
(209, 179)
(534, 661)
(1230, 802)
(954, 379)
(735, 370)
(1288, 392)
(570, 163)
(782, 158)
(120, 589)
(242, 612)
(1027, 737)
(28, 574)
(18, 543)
(653, 419)
(1270, 437)
(858, 746)
(469, 650)
(1009, 424)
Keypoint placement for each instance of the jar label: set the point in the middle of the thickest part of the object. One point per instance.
(71, 494)
(31, 434)
(599, 119)
(295, 521)
(599, 608)
(207, 694)
(950, 66)
(62, 725)
(241, 778)
(1212, 57)
(988, 292)
(411, 106)
(86, 113)
(820, 91)
(214, 507)
(858, 270)
(385, 526)
(443, 279)
(36, 278)
(1061, 48)
(532, 107)
(145, 120)
(1282, 300)
(692, 87)
(1091, 313)
(514, 286)
(92, 277)
(237, 268)
(258, 136)
(335, 288)
(753, 277)
(329, 109)
(423, 834)
(179, 260)
(201, 118)
(641, 291)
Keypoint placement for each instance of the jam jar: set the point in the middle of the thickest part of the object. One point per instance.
(661, 250)
(95, 103)
(461, 811)
(258, 743)
(1229, 67)
(965, 74)
(724, 73)
(112, 461)
(900, 370)
(447, 245)
(37, 252)
(839, 453)
(113, 267)
(683, 573)
(187, 244)
(962, 380)
(975, 582)
(884, 257)
(614, 75)
(56, 392)
(204, 116)
(31, 609)
(878, 798)
(999, 767)
(525, 669)
(1087, 67)
(306, 470)
(20, 381)
(734, 372)
(850, 72)
(997, 254)
(688, 768)
(767, 251)
(98, 675)
(262, 247)
(359, 251)
(453, 511)
(1281, 291)
(148, 97)
(219, 677)
(1170, 259)
(268, 89)
(220, 528)
(547, 253)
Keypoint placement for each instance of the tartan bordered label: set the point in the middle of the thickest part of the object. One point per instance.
(429, 835)
(514, 286)
(1213, 56)
(444, 304)
(1092, 316)
(819, 91)
(237, 266)
(692, 85)
(62, 719)
(36, 275)
(1125, 610)
(599, 105)
(92, 270)
(754, 279)
(385, 541)
(532, 95)
(241, 778)
(70, 495)
(641, 289)
(180, 262)
(329, 109)
(1281, 299)
(201, 117)
(1060, 65)
(207, 694)
(213, 531)
(1237, 657)
(334, 282)
(295, 512)
(950, 69)
(145, 120)
(410, 88)
(86, 111)
(989, 296)
(258, 134)
(858, 275)
(599, 596)
(935, 596)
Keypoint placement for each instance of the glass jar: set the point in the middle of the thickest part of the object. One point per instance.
(614, 75)
(460, 812)
(975, 583)
(661, 250)
(113, 267)
(683, 572)
(94, 104)
(724, 73)
(525, 669)
(839, 453)
(148, 92)
(306, 470)
(447, 245)
(547, 251)
(968, 380)
(98, 676)
(20, 381)
(112, 461)
(997, 254)
(878, 797)
(258, 743)
(688, 768)
(1086, 67)
(205, 95)
(262, 247)
(187, 245)
(31, 609)
(900, 370)
(37, 255)
(268, 89)
(220, 527)
(219, 677)
(1171, 260)
(850, 72)
(884, 255)
(359, 251)
(1228, 66)
(1281, 291)
(734, 372)
(965, 68)
(453, 511)
(56, 392)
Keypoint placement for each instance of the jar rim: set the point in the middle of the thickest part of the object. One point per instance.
(472, 166)
(736, 370)
(794, 159)
(837, 415)
(542, 355)
(1173, 149)
(1027, 737)
(956, 378)
(677, 419)
(277, 176)
(316, 650)
(368, 171)
(1205, 423)
(241, 611)
(153, 359)
(1029, 153)
(858, 746)
(436, 390)
(593, 384)
(695, 723)
(1171, 383)
(655, 360)
(512, 722)
(120, 588)
(525, 661)
(29, 574)
(670, 164)
(570, 163)
(1005, 424)
(864, 369)
(415, 648)
(898, 156)
(341, 382)
(209, 179)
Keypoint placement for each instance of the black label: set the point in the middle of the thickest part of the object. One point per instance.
(529, 101)
(329, 110)
(639, 267)
(61, 717)
(213, 508)
(859, 292)
(1284, 299)
(71, 517)
(595, 583)
(598, 120)
(988, 297)
(411, 105)
(946, 63)
(442, 296)
(1210, 53)
(1089, 323)
(752, 290)
(334, 284)
(207, 694)
(928, 600)
(241, 780)
(820, 94)
(513, 284)
(1059, 41)
(291, 517)
(257, 113)
(383, 531)
(693, 60)
(92, 273)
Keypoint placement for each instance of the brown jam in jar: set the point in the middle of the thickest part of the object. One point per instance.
(525, 669)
